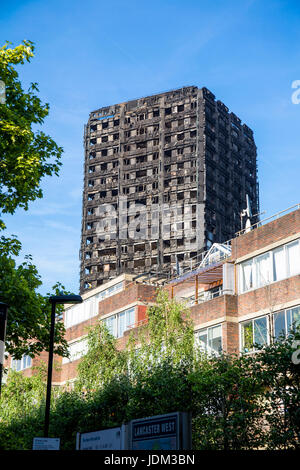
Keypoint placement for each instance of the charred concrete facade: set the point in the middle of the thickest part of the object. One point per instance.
(165, 176)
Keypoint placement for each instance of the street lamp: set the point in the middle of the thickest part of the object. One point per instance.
(3, 321)
(55, 299)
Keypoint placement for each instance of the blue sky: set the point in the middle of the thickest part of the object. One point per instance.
(95, 53)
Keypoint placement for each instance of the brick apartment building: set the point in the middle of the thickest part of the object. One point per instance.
(181, 162)
(243, 292)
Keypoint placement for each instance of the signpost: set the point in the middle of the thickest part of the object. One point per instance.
(107, 439)
(163, 432)
(46, 443)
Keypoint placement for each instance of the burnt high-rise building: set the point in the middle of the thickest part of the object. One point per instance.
(165, 176)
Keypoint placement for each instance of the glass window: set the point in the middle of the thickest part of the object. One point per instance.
(247, 336)
(110, 323)
(89, 308)
(215, 339)
(293, 318)
(279, 324)
(210, 340)
(254, 332)
(121, 323)
(274, 265)
(119, 287)
(263, 270)
(130, 318)
(279, 264)
(202, 338)
(21, 364)
(77, 349)
(260, 331)
(247, 275)
(293, 258)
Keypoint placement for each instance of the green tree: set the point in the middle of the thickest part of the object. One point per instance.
(227, 411)
(22, 409)
(160, 357)
(27, 155)
(236, 401)
(280, 374)
(167, 336)
(102, 362)
(29, 312)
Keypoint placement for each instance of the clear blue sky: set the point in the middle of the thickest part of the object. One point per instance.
(95, 53)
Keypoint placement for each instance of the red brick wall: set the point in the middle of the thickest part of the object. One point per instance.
(214, 309)
(265, 235)
(121, 300)
(230, 333)
(133, 293)
(269, 296)
(141, 313)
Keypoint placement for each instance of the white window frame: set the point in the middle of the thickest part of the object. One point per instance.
(78, 354)
(116, 324)
(208, 350)
(271, 267)
(252, 320)
(89, 307)
(18, 364)
(285, 311)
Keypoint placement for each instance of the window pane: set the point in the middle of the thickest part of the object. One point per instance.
(202, 338)
(121, 324)
(263, 271)
(215, 339)
(279, 262)
(110, 324)
(279, 324)
(293, 258)
(247, 336)
(293, 318)
(130, 318)
(260, 331)
(247, 275)
(119, 286)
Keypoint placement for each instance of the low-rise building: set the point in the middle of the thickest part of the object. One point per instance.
(242, 292)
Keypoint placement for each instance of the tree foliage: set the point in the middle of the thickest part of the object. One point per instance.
(27, 155)
(29, 314)
(227, 397)
(102, 362)
(275, 367)
(235, 401)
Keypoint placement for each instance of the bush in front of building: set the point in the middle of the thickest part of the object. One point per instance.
(237, 402)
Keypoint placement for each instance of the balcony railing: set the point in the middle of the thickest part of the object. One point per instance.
(203, 297)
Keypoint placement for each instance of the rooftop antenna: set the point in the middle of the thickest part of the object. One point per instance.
(246, 212)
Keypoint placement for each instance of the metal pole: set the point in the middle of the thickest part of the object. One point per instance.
(3, 321)
(50, 366)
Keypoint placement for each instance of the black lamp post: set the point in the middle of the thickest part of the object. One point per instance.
(3, 321)
(56, 299)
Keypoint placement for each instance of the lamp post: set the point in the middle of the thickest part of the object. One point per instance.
(3, 321)
(56, 299)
